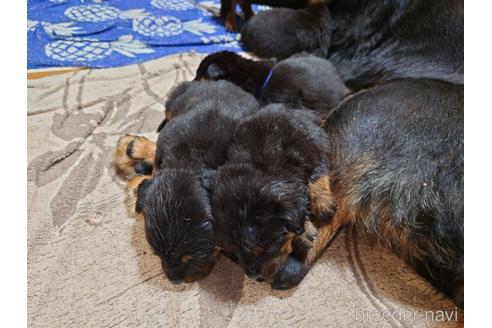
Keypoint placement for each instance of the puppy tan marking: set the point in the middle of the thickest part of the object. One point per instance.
(130, 150)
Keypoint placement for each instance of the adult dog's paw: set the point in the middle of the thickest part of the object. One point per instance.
(290, 275)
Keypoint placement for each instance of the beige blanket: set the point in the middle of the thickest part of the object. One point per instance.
(90, 266)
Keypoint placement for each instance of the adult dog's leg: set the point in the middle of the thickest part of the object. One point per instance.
(322, 202)
(246, 8)
(228, 12)
(306, 249)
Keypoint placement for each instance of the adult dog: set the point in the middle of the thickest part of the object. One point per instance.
(377, 41)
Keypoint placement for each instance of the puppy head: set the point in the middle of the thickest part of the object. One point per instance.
(218, 66)
(177, 102)
(257, 216)
(178, 222)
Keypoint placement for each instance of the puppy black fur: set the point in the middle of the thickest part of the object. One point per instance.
(282, 32)
(178, 220)
(261, 197)
(257, 214)
(195, 94)
(371, 41)
(301, 81)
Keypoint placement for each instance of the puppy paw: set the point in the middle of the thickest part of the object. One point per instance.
(134, 155)
(290, 275)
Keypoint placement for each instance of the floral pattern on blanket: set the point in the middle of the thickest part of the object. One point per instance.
(97, 33)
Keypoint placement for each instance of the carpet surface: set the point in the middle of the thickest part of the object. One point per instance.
(89, 264)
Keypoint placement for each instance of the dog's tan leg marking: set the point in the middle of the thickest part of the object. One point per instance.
(139, 148)
(246, 8)
(322, 202)
(131, 199)
(230, 18)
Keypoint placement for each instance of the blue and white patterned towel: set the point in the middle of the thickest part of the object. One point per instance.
(108, 33)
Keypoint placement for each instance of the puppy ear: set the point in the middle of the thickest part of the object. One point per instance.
(215, 72)
(141, 194)
(207, 178)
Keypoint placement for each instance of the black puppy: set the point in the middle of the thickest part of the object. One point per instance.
(228, 8)
(372, 41)
(396, 171)
(257, 216)
(301, 81)
(194, 94)
(276, 176)
(174, 201)
(282, 32)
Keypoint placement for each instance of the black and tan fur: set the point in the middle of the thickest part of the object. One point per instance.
(300, 81)
(174, 201)
(275, 178)
(369, 42)
(397, 172)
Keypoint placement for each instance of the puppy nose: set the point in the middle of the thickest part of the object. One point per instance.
(173, 277)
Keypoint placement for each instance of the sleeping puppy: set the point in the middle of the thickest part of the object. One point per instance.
(396, 172)
(370, 42)
(193, 94)
(257, 215)
(301, 81)
(276, 177)
(228, 8)
(174, 200)
(282, 32)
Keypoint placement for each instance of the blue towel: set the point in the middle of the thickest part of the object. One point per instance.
(109, 33)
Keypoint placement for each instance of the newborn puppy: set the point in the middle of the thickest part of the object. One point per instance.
(282, 32)
(174, 201)
(301, 81)
(195, 94)
(257, 216)
(228, 8)
(275, 177)
(178, 222)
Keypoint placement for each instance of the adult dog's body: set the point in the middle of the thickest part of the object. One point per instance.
(374, 41)
(396, 170)
(377, 41)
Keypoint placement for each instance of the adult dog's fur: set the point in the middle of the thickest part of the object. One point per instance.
(179, 223)
(372, 41)
(228, 8)
(396, 170)
(275, 177)
(282, 32)
(301, 81)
